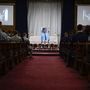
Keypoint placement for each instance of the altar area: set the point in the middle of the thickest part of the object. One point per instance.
(35, 42)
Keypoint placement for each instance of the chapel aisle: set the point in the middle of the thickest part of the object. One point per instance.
(43, 73)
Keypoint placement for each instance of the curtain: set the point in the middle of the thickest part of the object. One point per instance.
(44, 14)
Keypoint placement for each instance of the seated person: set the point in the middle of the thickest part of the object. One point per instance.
(80, 35)
(87, 32)
(44, 36)
(25, 38)
(16, 37)
(3, 36)
(65, 37)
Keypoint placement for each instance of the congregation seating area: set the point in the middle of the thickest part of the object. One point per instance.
(77, 56)
(11, 54)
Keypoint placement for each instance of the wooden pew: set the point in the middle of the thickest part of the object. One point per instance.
(4, 57)
(88, 62)
(82, 56)
(11, 54)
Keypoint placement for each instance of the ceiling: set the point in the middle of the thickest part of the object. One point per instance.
(7, 1)
(83, 1)
(76, 1)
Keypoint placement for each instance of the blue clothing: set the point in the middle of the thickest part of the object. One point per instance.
(44, 37)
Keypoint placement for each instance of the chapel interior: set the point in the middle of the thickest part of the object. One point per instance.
(31, 61)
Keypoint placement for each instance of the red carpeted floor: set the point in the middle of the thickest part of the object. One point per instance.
(42, 73)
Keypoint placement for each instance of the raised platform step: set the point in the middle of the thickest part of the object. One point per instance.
(45, 50)
(45, 53)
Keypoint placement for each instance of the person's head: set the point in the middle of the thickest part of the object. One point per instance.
(44, 30)
(15, 32)
(87, 29)
(25, 34)
(70, 33)
(79, 27)
(65, 34)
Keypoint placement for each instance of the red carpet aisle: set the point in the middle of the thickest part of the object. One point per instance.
(42, 73)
